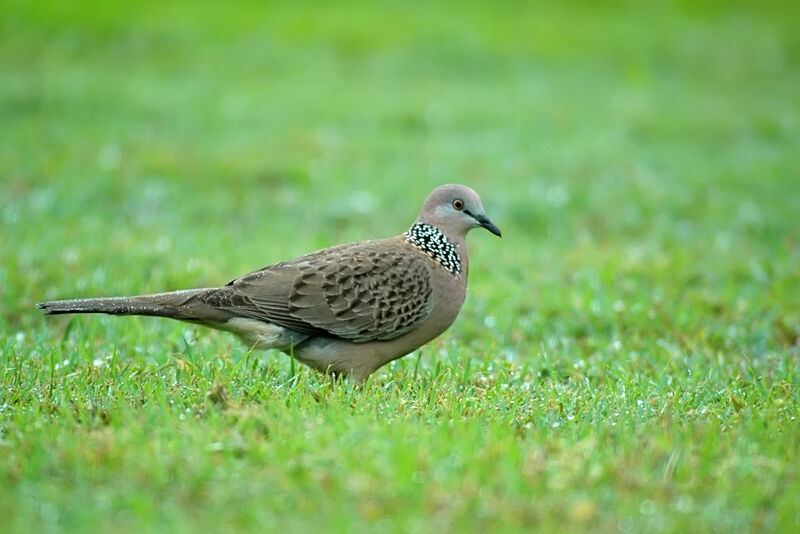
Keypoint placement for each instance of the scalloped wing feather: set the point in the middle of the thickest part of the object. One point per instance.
(372, 290)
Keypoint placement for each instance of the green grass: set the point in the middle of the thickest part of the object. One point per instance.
(628, 355)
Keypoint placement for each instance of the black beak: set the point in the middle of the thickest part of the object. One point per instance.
(484, 221)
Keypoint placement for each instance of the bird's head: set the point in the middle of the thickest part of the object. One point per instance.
(455, 210)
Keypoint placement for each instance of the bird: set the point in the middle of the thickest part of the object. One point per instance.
(346, 310)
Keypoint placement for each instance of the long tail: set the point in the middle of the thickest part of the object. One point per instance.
(186, 305)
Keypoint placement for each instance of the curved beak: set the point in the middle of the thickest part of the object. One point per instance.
(484, 222)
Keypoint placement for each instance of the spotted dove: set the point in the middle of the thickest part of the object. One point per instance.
(347, 309)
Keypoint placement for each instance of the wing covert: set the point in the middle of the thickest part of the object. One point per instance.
(361, 292)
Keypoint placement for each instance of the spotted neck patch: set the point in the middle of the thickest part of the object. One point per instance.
(435, 244)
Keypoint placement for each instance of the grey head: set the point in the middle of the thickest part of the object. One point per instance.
(455, 210)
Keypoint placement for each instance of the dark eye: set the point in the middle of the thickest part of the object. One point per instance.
(458, 204)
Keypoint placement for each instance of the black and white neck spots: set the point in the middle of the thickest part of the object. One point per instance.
(435, 244)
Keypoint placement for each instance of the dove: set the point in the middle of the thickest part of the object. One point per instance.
(344, 310)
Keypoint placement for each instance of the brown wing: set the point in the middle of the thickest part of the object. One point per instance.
(364, 293)
(361, 292)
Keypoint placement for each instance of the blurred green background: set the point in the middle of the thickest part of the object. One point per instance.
(641, 158)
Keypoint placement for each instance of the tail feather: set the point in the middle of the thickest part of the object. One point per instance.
(182, 305)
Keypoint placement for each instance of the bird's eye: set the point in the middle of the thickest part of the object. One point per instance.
(458, 204)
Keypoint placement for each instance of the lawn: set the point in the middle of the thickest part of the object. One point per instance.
(628, 357)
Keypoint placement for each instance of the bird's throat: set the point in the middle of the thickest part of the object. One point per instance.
(435, 244)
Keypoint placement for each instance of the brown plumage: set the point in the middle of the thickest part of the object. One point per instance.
(347, 309)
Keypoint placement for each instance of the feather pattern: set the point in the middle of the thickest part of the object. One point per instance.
(360, 292)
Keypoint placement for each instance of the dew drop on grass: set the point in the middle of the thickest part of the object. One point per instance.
(683, 503)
